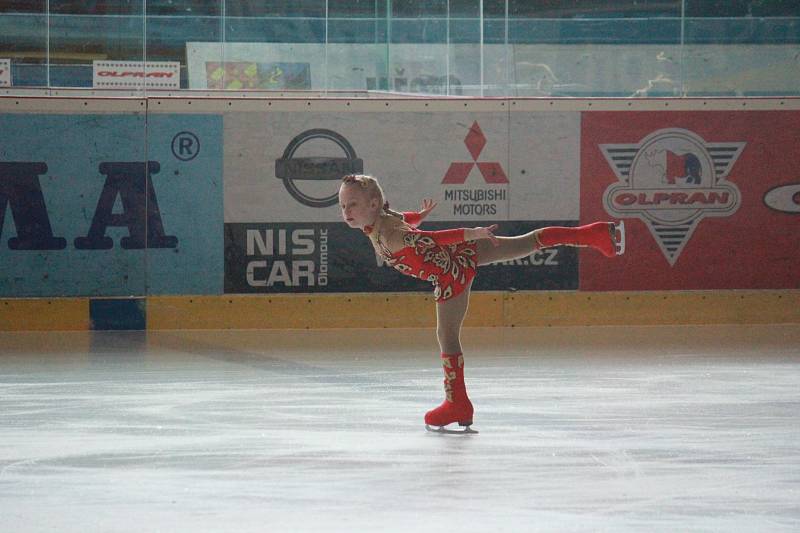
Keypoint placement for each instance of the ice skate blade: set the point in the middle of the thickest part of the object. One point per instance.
(619, 237)
(443, 430)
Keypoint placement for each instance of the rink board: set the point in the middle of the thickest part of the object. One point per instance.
(223, 167)
(711, 199)
(100, 198)
(401, 310)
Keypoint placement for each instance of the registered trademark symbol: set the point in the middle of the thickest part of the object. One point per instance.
(185, 146)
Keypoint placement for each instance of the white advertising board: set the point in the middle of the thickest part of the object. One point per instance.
(285, 166)
(5, 73)
(135, 74)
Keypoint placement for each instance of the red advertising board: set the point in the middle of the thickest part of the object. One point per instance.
(710, 199)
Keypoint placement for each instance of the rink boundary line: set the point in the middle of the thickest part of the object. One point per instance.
(400, 310)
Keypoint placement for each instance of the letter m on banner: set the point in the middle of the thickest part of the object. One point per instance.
(21, 191)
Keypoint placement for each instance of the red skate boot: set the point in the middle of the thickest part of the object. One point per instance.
(456, 406)
(607, 237)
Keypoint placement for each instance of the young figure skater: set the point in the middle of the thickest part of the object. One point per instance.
(449, 259)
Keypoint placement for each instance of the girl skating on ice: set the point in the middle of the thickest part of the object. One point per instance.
(449, 260)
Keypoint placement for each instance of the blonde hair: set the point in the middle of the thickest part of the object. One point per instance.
(373, 189)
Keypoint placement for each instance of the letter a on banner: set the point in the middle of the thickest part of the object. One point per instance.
(131, 182)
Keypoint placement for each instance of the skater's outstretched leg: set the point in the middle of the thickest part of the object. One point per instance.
(508, 248)
(456, 406)
(604, 236)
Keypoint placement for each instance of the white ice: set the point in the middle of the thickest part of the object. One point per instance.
(581, 429)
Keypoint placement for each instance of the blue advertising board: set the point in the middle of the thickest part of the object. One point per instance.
(110, 204)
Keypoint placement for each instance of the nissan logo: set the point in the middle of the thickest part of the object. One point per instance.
(293, 169)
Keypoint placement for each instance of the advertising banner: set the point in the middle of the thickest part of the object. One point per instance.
(283, 226)
(88, 207)
(286, 166)
(136, 74)
(331, 257)
(711, 199)
(239, 75)
(5, 73)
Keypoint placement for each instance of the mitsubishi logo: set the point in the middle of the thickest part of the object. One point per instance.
(492, 172)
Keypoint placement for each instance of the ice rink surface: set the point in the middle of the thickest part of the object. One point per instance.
(581, 429)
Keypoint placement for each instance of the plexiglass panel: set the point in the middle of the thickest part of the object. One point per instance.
(742, 48)
(23, 43)
(464, 39)
(417, 58)
(624, 48)
(181, 31)
(81, 33)
(591, 48)
(497, 51)
(357, 50)
(274, 46)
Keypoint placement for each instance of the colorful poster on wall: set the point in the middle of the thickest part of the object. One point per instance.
(711, 199)
(243, 75)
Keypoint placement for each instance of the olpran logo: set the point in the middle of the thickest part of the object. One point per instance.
(671, 180)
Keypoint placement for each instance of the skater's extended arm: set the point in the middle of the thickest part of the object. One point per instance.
(396, 234)
(459, 235)
(414, 218)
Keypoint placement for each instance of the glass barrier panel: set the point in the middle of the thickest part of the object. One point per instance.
(23, 43)
(91, 35)
(184, 44)
(417, 60)
(465, 53)
(497, 52)
(357, 45)
(274, 46)
(621, 48)
(742, 48)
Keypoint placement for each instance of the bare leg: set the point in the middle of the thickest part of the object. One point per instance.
(509, 248)
(449, 317)
(456, 406)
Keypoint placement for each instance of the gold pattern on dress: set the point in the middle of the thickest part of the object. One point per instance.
(405, 269)
(455, 260)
